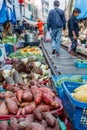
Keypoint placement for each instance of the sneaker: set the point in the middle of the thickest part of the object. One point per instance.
(53, 51)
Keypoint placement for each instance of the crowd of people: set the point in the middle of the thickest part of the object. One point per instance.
(56, 23)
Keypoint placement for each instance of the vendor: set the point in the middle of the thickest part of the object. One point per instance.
(40, 25)
(73, 30)
(7, 30)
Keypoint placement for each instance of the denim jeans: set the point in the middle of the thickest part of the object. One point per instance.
(56, 39)
(74, 44)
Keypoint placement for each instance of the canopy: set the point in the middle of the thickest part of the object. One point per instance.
(82, 5)
(30, 22)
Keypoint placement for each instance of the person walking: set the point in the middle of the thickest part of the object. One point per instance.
(73, 30)
(56, 22)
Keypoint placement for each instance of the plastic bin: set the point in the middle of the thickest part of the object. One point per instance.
(80, 65)
(59, 88)
(76, 110)
(9, 49)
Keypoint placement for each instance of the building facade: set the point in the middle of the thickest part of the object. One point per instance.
(45, 9)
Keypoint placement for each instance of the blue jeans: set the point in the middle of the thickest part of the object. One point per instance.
(74, 44)
(56, 39)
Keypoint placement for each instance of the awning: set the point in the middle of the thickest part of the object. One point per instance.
(82, 5)
(30, 22)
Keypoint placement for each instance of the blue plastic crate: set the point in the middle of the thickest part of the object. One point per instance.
(2, 89)
(59, 88)
(76, 110)
(80, 65)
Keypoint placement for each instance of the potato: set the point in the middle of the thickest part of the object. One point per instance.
(19, 112)
(11, 105)
(19, 95)
(50, 119)
(4, 125)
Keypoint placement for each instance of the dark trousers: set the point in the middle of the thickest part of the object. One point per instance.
(74, 44)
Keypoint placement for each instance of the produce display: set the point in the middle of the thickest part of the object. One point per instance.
(49, 122)
(80, 93)
(21, 99)
(81, 61)
(9, 39)
(74, 78)
(26, 52)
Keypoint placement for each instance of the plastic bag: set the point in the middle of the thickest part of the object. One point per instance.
(48, 37)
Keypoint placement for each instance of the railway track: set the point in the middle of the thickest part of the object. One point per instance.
(53, 62)
(79, 54)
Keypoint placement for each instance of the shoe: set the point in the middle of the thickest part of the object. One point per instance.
(57, 54)
(53, 51)
(72, 53)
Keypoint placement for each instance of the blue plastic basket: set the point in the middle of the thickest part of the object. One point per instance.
(80, 65)
(59, 88)
(76, 110)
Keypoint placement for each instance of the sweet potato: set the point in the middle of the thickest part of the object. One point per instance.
(29, 109)
(24, 104)
(4, 125)
(36, 126)
(50, 119)
(8, 94)
(56, 104)
(15, 99)
(19, 95)
(3, 109)
(56, 127)
(13, 123)
(47, 90)
(19, 111)
(27, 96)
(43, 108)
(23, 111)
(37, 94)
(37, 115)
(48, 99)
(11, 105)
(44, 123)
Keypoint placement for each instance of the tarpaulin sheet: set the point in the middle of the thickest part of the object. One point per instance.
(82, 5)
(3, 12)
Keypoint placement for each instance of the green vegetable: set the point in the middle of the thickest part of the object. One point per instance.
(59, 82)
(76, 78)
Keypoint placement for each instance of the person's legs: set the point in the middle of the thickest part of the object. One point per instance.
(53, 37)
(58, 41)
(73, 46)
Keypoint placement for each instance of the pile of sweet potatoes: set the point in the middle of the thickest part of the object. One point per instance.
(48, 122)
(24, 99)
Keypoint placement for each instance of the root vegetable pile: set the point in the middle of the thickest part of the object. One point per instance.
(48, 122)
(21, 99)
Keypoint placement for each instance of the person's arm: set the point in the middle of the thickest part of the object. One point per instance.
(49, 21)
(64, 21)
